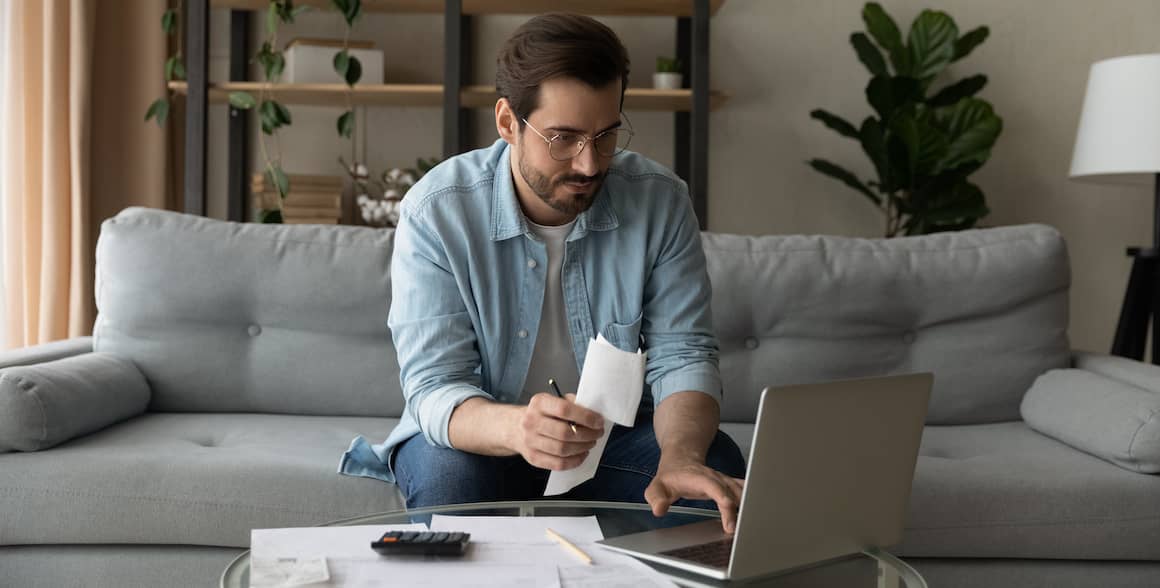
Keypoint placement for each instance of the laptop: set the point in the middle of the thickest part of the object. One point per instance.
(829, 475)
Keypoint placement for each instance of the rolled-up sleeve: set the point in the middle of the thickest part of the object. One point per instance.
(432, 330)
(678, 324)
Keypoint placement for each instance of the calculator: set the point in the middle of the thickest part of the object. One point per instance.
(421, 543)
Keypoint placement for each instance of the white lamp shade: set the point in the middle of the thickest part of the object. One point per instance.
(1119, 131)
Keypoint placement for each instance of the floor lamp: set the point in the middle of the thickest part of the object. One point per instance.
(1118, 141)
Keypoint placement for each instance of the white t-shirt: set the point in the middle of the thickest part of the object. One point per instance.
(552, 357)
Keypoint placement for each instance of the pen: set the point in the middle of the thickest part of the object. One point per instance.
(556, 389)
(566, 544)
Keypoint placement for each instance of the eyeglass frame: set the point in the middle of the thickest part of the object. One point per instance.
(586, 139)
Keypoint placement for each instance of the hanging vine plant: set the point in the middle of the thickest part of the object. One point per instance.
(174, 68)
(274, 115)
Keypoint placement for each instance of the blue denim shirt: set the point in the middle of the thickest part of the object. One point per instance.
(467, 297)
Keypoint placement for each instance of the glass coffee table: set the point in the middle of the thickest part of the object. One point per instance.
(871, 568)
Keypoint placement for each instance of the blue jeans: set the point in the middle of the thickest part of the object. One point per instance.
(430, 476)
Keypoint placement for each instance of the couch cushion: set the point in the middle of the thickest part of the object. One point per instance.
(1106, 417)
(1005, 491)
(232, 317)
(48, 403)
(189, 479)
(985, 310)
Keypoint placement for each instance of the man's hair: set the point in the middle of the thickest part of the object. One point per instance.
(558, 45)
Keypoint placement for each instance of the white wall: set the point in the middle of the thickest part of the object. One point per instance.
(779, 60)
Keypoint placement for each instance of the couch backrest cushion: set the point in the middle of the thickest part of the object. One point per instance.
(985, 310)
(232, 317)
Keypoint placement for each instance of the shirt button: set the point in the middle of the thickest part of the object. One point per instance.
(532, 263)
(523, 333)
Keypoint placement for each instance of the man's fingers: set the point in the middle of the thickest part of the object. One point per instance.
(728, 499)
(739, 485)
(568, 410)
(728, 509)
(657, 495)
(554, 462)
(559, 448)
(725, 491)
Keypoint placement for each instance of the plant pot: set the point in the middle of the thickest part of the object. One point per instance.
(667, 80)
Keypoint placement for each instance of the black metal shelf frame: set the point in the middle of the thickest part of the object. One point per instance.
(690, 129)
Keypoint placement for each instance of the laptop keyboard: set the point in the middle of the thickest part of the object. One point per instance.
(714, 554)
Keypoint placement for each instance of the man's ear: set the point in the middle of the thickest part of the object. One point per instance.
(506, 122)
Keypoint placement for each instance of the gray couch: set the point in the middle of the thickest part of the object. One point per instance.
(232, 364)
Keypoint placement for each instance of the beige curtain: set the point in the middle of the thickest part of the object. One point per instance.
(79, 75)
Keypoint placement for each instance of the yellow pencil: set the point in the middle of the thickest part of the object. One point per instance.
(569, 546)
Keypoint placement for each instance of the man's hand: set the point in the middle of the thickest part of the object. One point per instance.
(546, 440)
(690, 479)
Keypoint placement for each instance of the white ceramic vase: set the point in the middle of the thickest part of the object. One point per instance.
(667, 80)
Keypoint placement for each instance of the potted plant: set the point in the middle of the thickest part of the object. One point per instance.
(923, 145)
(668, 74)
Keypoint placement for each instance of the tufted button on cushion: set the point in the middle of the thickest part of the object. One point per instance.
(254, 330)
(751, 342)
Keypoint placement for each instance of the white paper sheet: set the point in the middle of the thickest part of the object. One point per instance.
(626, 573)
(283, 572)
(321, 541)
(524, 539)
(353, 564)
(520, 530)
(504, 551)
(610, 384)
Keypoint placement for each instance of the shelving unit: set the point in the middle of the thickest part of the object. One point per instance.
(690, 106)
(432, 95)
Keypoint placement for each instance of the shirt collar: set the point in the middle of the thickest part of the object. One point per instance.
(507, 218)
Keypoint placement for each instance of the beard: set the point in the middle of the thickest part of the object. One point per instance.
(557, 194)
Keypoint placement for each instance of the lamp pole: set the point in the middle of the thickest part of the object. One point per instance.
(1141, 306)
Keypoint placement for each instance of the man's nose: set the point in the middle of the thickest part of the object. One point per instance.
(586, 163)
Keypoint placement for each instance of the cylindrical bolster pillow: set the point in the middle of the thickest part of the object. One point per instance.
(1108, 418)
(46, 404)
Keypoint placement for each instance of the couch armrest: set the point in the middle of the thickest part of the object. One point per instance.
(1106, 407)
(45, 404)
(46, 352)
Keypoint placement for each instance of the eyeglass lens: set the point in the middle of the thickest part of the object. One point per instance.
(568, 145)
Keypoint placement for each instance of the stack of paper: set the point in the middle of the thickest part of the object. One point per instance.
(504, 551)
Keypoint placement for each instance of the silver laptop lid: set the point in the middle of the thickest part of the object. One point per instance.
(833, 464)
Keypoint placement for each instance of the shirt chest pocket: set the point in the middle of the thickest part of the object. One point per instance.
(625, 336)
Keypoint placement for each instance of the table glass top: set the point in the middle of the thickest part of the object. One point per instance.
(872, 568)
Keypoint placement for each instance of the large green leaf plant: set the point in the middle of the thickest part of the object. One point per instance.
(923, 144)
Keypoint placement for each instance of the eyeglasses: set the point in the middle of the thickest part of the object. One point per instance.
(565, 146)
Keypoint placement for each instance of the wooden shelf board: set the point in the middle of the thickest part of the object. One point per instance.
(432, 95)
(479, 7)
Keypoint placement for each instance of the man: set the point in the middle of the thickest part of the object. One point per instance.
(509, 259)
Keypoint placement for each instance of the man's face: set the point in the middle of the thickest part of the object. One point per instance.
(558, 191)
